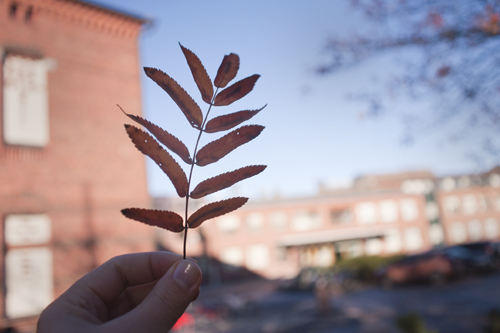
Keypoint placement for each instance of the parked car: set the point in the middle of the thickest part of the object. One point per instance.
(474, 261)
(306, 279)
(487, 249)
(338, 280)
(432, 266)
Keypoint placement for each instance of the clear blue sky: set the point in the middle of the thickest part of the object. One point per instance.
(313, 133)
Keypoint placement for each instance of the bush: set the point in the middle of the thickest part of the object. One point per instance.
(412, 323)
(493, 324)
(364, 268)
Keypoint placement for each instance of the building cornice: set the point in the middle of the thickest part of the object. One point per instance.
(110, 10)
(86, 13)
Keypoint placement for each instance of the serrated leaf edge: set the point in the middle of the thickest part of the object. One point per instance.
(222, 175)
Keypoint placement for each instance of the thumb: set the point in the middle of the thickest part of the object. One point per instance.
(166, 303)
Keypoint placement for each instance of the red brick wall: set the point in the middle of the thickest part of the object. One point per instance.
(89, 170)
(488, 209)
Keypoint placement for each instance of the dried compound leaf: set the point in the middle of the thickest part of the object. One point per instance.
(199, 74)
(236, 91)
(215, 209)
(149, 146)
(145, 141)
(228, 121)
(159, 218)
(225, 180)
(187, 105)
(219, 148)
(227, 70)
(167, 139)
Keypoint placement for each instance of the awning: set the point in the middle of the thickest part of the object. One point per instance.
(330, 236)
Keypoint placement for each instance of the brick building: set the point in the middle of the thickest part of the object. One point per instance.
(67, 166)
(470, 206)
(378, 215)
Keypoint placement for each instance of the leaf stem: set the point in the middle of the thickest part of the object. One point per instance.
(186, 226)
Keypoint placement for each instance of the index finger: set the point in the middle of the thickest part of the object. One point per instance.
(110, 279)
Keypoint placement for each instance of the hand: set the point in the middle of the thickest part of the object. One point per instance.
(143, 292)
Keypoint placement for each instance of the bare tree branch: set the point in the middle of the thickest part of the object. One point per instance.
(453, 57)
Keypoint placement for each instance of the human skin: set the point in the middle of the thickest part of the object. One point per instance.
(142, 292)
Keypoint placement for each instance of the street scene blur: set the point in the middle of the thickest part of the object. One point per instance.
(379, 210)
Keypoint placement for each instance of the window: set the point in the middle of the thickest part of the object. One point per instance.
(13, 9)
(413, 238)
(194, 236)
(278, 221)
(28, 265)
(491, 228)
(470, 204)
(281, 254)
(409, 209)
(341, 216)
(483, 203)
(232, 256)
(28, 15)
(464, 182)
(417, 186)
(373, 246)
(228, 223)
(392, 241)
(451, 204)
(495, 201)
(349, 249)
(304, 220)
(494, 180)
(458, 234)
(255, 221)
(436, 235)
(388, 211)
(448, 184)
(366, 212)
(257, 257)
(25, 101)
(431, 210)
(323, 256)
(475, 230)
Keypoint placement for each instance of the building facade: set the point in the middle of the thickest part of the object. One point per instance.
(470, 206)
(378, 215)
(67, 166)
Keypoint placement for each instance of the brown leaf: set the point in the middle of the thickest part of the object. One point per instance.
(236, 91)
(199, 74)
(229, 121)
(215, 209)
(149, 146)
(159, 218)
(225, 180)
(219, 148)
(170, 141)
(227, 70)
(443, 71)
(187, 105)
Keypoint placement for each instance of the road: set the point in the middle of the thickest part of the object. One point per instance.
(459, 306)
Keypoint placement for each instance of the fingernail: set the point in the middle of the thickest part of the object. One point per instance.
(186, 273)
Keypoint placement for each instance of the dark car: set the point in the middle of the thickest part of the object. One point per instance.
(488, 249)
(306, 279)
(433, 266)
(474, 261)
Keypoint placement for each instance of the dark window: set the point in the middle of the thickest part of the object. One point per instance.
(28, 15)
(341, 216)
(13, 9)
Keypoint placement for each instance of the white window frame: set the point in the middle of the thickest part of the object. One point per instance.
(28, 265)
(25, 108)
